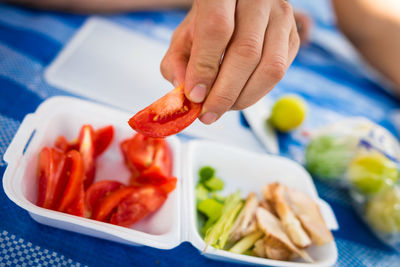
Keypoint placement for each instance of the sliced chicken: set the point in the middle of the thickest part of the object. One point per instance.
(307, 210)
(245, 223)
(259, 248)
(267, 191)
(267, 202)
(266, 205)
(289, 221)
(275, 233)
(275, 249)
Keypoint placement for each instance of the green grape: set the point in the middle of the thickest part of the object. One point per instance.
(383, 211)
(372, 172)
(328, 156)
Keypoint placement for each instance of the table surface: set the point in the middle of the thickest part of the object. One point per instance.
(333, 87)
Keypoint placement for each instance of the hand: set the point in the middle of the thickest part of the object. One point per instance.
(230, 53)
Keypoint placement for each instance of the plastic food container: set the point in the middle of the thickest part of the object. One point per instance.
(176, 221)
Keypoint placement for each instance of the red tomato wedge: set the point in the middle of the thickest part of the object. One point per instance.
(139, 151)
(62, 144)
(160, 168)
(108, 204)
(73, 192)
(97, 191)
(50, 167)
(125, 152)
(169, 185)
(87, 150)
(102, 139)
(168, 115)
(77, 207)
(140, 203)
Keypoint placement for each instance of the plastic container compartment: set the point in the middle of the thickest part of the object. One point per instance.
(176, 220)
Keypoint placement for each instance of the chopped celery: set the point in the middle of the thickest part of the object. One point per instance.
(217, 234)
(218, 197)
(214, 184)
(210, 222)
(211, 208)
(246, 242)
(201, 193)
(228, 225)
(206, 173)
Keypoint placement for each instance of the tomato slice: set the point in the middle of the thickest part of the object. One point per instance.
(162, 161)
(50, 167)
(77, 207)
(124, 145)
(139, 151)
(169, 185)
(74, 169)
(103, 210)
(74, 144)
(97, 191)
(140, 203)
(87, 150)
(102, 139)
(62, 144)
(168, 115)
(161, 167)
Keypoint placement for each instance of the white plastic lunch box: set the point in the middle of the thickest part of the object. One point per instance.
(176, 221)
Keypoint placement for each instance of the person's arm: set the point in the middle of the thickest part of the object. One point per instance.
(374, 29)
(101, 6)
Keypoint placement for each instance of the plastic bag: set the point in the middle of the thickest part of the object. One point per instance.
(363, 157)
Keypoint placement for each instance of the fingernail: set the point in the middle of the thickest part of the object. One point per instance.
(209, 117)
(175, 83)
(198, 93)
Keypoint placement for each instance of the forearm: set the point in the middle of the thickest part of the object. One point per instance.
(102, 6)
(374, 29)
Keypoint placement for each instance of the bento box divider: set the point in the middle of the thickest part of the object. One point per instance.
(185, 203)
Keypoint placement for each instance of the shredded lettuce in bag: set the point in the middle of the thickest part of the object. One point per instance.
(328, 156)
(383, 211)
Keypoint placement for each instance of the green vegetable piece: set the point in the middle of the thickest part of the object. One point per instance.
(218, 197)
(211, 208)
(201, 193)
(328, 156)
(206, 173)
(246, 242)
(217, 235)
(210, 222)
(214, 184)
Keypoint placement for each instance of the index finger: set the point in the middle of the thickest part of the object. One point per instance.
(214, 25)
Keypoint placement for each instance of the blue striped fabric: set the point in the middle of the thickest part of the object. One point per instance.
(29, 41)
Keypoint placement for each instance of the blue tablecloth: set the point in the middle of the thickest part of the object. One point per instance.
(30, 40)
